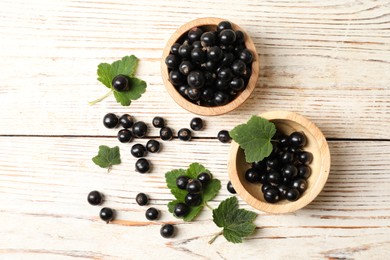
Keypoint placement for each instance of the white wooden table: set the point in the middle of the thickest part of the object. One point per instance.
(328, 60)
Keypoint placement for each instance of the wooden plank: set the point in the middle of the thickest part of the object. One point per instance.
(44, 182)
(328, 61)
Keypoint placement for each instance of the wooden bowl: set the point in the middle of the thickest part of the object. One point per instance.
(208, 23)
(286, 122)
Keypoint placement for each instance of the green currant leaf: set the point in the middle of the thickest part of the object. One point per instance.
(255, 138)
(107, 156)
(236, 223)
(126, 66)
(104, 75)
(209, 191)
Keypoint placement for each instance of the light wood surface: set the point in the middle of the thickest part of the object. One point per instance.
(327, 60)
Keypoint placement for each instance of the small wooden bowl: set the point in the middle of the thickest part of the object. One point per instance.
(287, 122)
(209, 23)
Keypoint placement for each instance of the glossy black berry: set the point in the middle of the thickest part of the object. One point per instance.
(222, 85)
(196, 124)
(185, 50)
(292, 194)
(95, 198)
(287, 157)
(221, 98)
(208, 39)
(166, 133)
(198, 55)
(238, 67)
(193, 199)
(252, 175)
(283, 141)
(194, 34)
(125, 136)
(158, 122)
(227, 37)
(282, 190)
(185, 67)
(172, 61)
(224, 25)
(195, 79)
(272, 195)
(263, 178)
(272, 163)
(274, 177)
(204, 178)
(228, 59)
(266, 186)
(175, 48)
(106, 214)
(138, 150)
(153, 146)
(121, 83)
(126, 121)
(230, 188)
(207, 95)
(183, 90)
(182, 181)
(194, 186)
(194, 94)
(225, 74)
(184, 134)
(300, 185)
(142, 199)
(304, 171)
(223, 136)
(142, 165)
(110, 120)
(237, 84)
(167, 230)
(246, 56)
(305, 157)
(176, 78)
(214, 53)
(139, 129)
(289, 171)
(197, 44)
(240, 37)
(297, 139)
(152, 213)
(181, 209)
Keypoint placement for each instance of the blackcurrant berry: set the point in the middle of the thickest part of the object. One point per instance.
(152, 213)
(272, 163)
(185, 67)
(221, 98)
(195, 79)
(197, 44)
(194, 186)
(110, 120)
(193, 199)
(228, 59)
(230, 188)
(196, 124)
(106, 214)
(266, 186)
(139, 129)
(289, 171)
(176, 78)
(292, 194)
(240, 37)
(225, 74)
(126, 121)
(183, 90)
(194, 94)
(95, 198)
(283, 141)
(175, 48)
(172, 61)
(214, 53)
(167, 230)
(125, 136)
(297, 139)
(142, 199)
(194, 34)
(121, 83)
(263, 178)
(158, 122)
(224, 25)
(223, 136)
(204, 178)
(246, 56)
(181, 209)
(138, 150)
(304, 171)
(198, 55)
(142, 165)
(207, 94)
(237, 84)
(272, 195)
(305, 157)
(184, 134)
(153, 146)
(282, 190)
(182, 181)
(274, 177)
(208, 39)
(287, 157)
(166, 133)
(300, 185)
(238, 67)
(227, 37)
(252, 175)
(185, 50)
(221, 84)
(211, 65)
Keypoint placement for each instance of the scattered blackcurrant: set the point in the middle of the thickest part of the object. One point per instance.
(126, 121)
(138, 150)
(181, 209)
(166, 134)
(158, 122)
(142, 199)
(95, 198)
(152, 213)
(196, 124)
(142, 165)
(230, 187)
(125, 136)
(182, 181)
(139, 129)
(223, 136)
(110, 120)
(153, 146)
(184, 134)
(106, 214)
(167, 230)
(193, 199)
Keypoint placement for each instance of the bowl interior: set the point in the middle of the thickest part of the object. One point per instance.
(208, 23)
(316, 144)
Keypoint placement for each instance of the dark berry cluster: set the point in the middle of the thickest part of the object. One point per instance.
(210, 67)
(95, 198)
(194, 188)
(284, 173)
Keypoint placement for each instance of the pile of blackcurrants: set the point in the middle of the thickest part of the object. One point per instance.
(284, 173)
(194, 187)
(210, 68)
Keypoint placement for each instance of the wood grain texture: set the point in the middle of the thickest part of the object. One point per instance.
(43, 198)
(327, 60)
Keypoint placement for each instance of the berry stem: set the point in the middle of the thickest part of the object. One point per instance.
(215, 236)
(207, 205)
(100, 99)
(274, 140)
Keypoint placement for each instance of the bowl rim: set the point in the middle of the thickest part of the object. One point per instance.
(203, 110)
(314, 190)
